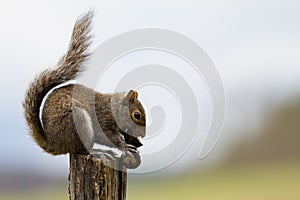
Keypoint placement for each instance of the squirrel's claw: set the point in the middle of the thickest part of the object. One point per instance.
(132, 148)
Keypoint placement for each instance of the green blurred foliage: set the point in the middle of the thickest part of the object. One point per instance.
(270, 182)
(49, 193)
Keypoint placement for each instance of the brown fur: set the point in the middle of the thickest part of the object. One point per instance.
(64, 125)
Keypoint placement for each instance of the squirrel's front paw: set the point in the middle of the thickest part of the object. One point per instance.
(131, 159)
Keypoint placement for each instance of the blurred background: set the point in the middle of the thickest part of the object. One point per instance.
(255, 46)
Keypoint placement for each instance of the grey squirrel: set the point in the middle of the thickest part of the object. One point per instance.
(74, 117)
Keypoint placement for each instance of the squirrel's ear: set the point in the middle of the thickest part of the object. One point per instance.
(131, 96)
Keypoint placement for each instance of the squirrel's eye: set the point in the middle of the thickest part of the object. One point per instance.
(137, 115)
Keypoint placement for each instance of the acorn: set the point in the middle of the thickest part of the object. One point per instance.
(131, 160)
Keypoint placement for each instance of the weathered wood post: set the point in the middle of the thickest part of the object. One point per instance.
(93, 179)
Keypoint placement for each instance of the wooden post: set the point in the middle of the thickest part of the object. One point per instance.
(92, 179)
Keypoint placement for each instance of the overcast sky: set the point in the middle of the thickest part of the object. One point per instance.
(255, 46)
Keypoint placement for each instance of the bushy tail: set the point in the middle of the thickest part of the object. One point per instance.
(67, 68)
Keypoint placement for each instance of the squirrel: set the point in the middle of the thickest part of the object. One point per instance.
(76, 118)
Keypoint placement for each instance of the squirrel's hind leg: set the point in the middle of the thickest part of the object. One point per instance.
(84, 126)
